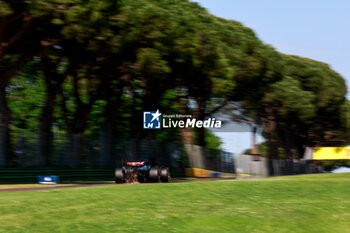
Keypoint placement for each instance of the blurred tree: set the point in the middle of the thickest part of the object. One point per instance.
(101, 63)
(25, 95)
(304, 108)
(23, 34)
(286, 105)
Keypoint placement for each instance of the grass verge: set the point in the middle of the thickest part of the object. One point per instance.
(307, 203)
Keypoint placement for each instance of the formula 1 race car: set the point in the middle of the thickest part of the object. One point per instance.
(141, 172)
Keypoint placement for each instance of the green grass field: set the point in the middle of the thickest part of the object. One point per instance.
(309, 203)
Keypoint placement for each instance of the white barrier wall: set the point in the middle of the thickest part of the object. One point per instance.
(214, 160)
(245, 165)
(195, 156)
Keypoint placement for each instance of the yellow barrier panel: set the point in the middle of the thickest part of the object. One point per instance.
(197, 172)
(331, 153)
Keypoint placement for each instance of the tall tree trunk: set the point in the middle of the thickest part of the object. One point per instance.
(45, 129)
(113, 104)
(287, 143)
(200, 115)
(53, 83)
(271, 138)
(77, 126)
(271, 134)
(5, 111)
(76, 149)
(255, 150)
(5, 114)
(186, 133)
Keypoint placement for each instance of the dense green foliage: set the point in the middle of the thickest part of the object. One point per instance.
(306, 203)
(89, 68)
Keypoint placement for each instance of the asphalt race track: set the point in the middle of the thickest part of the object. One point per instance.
(93, 185)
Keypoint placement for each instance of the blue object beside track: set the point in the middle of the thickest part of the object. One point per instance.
(48, 179)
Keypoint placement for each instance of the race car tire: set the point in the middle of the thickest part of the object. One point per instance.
(141, 178)
(154, 175)
(165, 174)
(119, 176)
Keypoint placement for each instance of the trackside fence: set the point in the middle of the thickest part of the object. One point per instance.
(95, 158)
(247, 164)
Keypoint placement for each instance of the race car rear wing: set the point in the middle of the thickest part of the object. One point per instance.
(135, 164)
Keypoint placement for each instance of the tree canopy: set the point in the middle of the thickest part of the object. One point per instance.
(89, 68)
